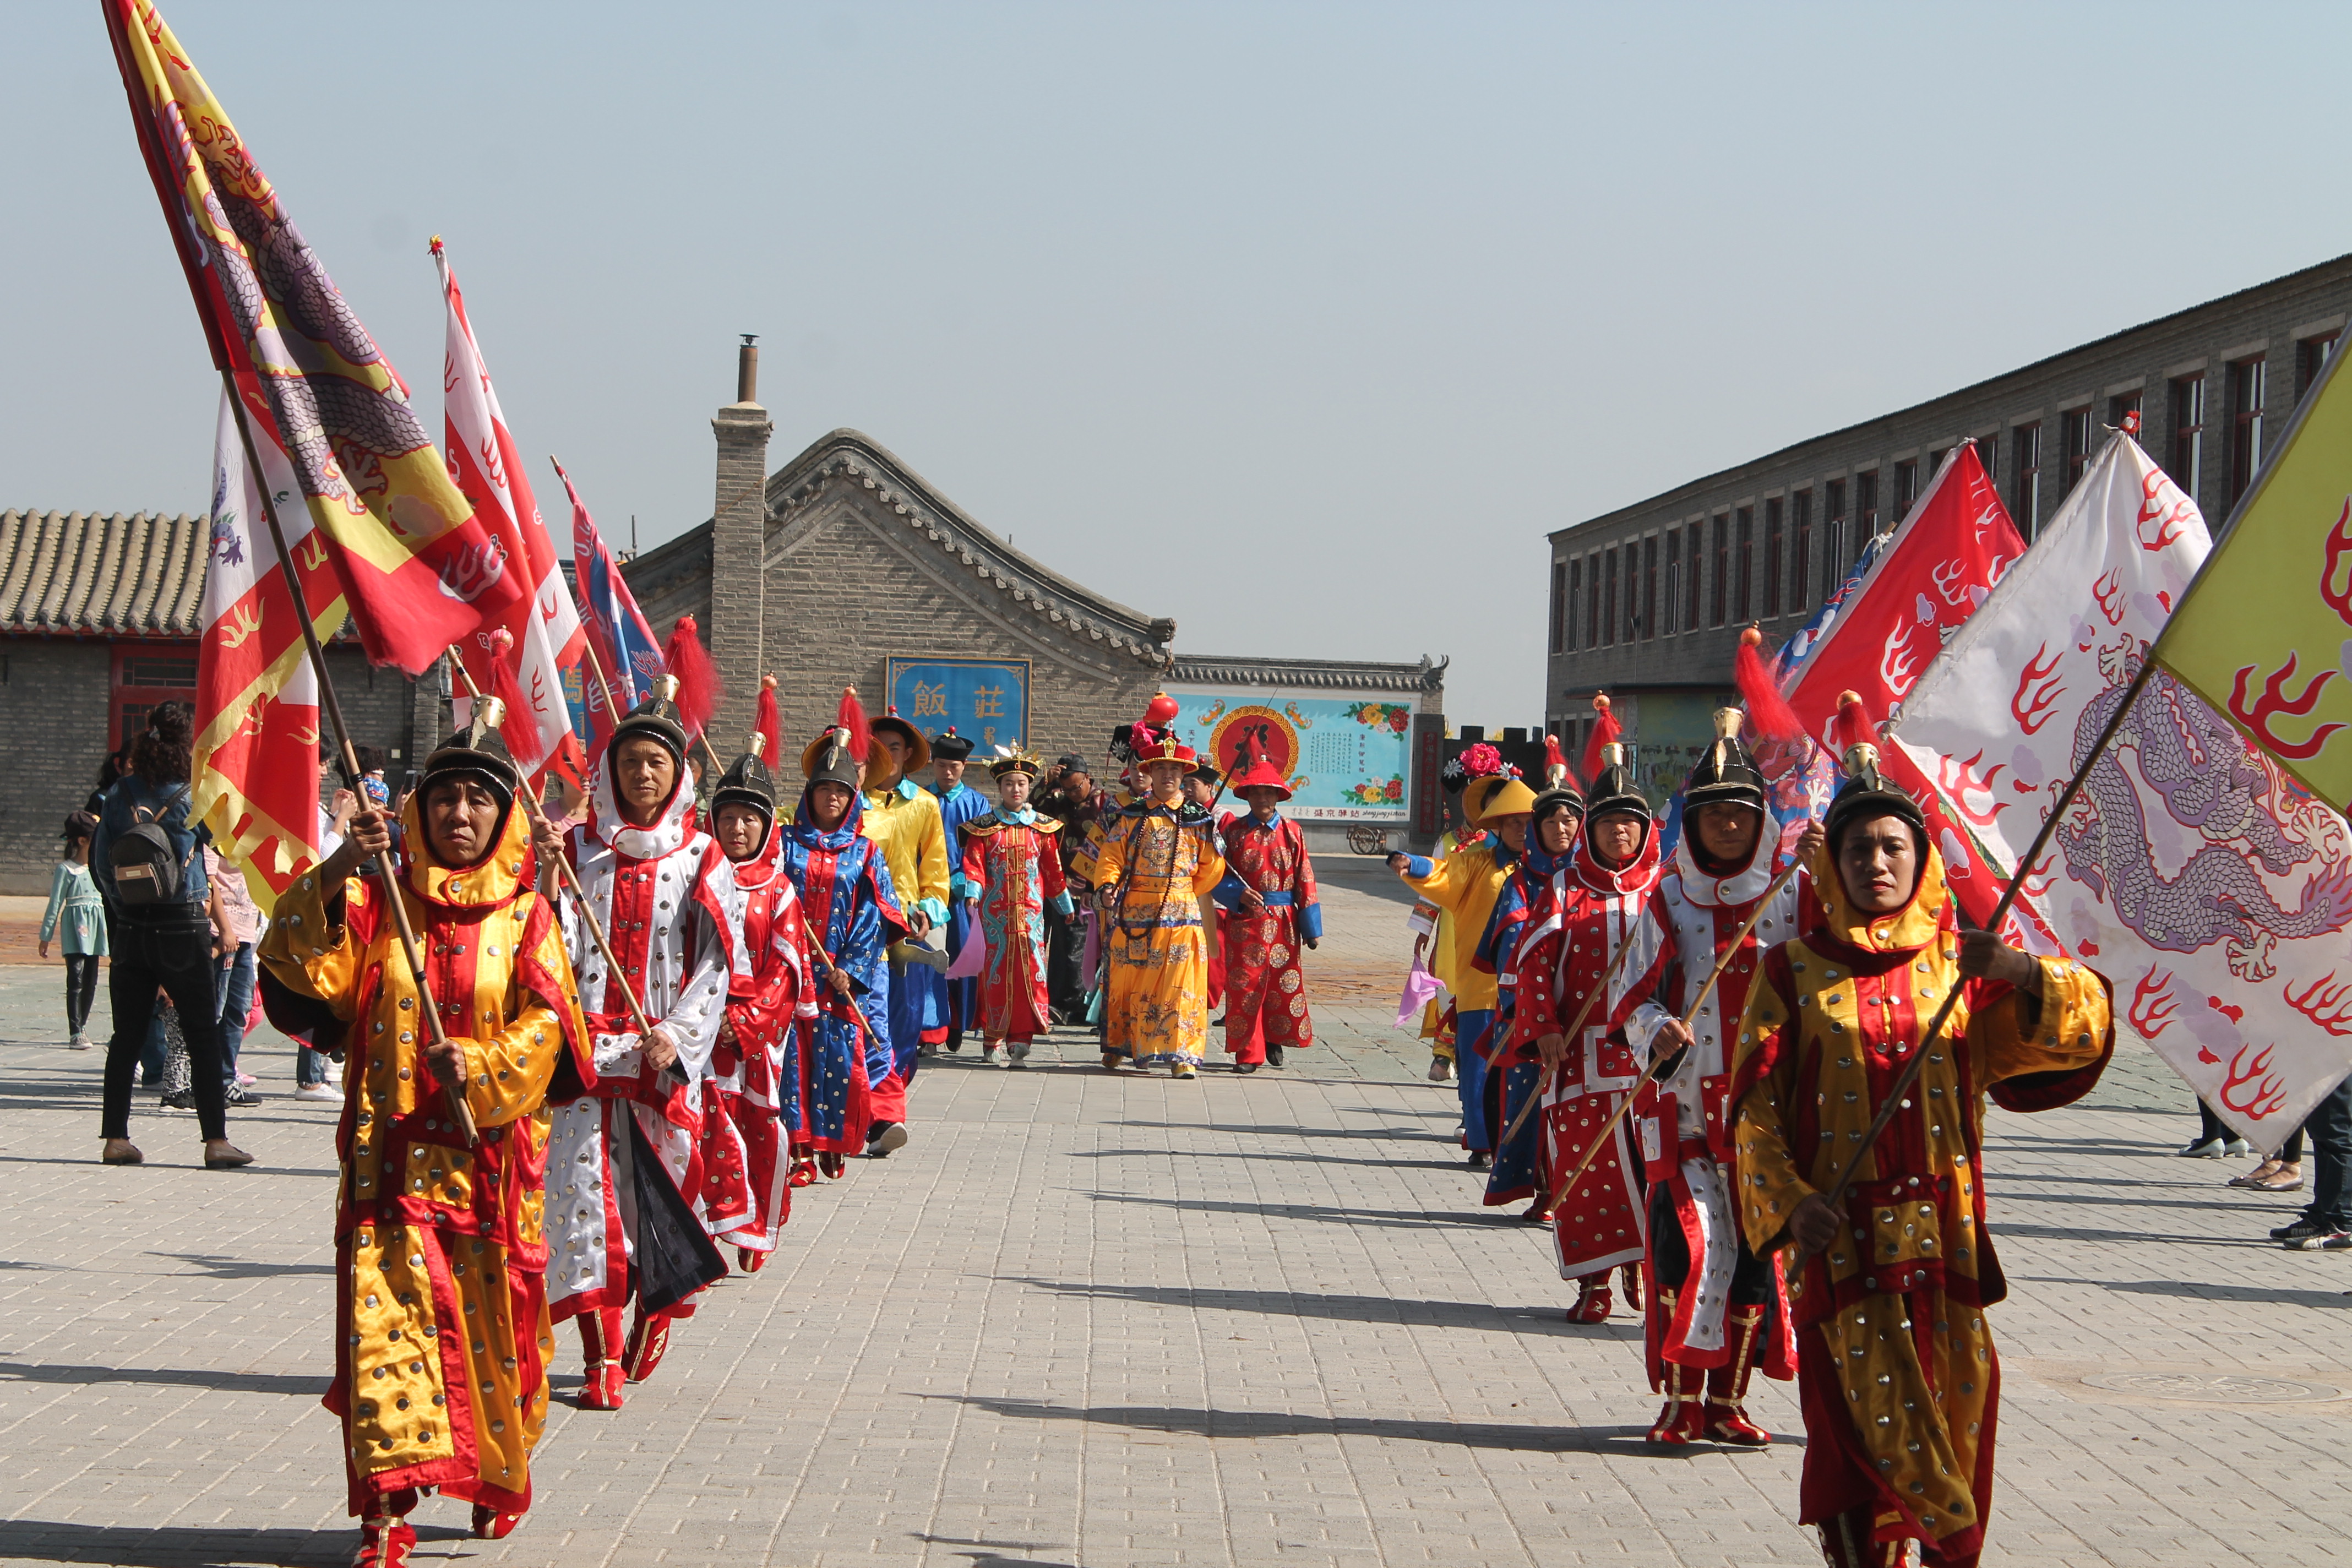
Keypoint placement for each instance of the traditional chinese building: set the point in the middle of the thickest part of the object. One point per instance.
(845, 567)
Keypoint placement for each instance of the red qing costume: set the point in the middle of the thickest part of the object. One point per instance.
(1013, 869)
(1266, 989)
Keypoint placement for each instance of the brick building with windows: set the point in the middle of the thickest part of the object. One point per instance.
(1647, 602)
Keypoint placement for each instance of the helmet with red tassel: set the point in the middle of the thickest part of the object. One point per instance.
(520, 735)
(838, 755)
(1606, 732)
(699, 690)
(1727, 774)
(1866, 792)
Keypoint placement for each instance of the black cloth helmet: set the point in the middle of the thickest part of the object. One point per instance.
(1613, 788)
(747, 781)
(1868, 793)
(658, 717)
(477, 752)
(1727, 774)
(1553, 799)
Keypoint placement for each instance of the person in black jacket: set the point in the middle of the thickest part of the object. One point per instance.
(168, 944)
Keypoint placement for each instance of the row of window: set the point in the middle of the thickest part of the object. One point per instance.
(1727, 570)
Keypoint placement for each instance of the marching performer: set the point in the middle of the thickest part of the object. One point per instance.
(1597, 1224)
(754, 1090)
(1716, 1307)
(952, 1004)
(1150, 874)
(851, 917)
(443, 1337)
(903, 821)
(1012, 874)
(1271, 910)
(1522, 951)
(1465, 885)
(622, 1224)
(1895, 1370)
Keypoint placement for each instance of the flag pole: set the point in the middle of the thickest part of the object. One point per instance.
(588, 645)
(571, 878)
(348, 759)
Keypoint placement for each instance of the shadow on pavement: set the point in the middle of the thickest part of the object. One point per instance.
(1302, 1158)
(241, 1267)
(218, 1381)
(1402, 1311)
(1626, 1441)
(187, 1546)
(1322, 1213)
(2201, 1290)
(989, 1556)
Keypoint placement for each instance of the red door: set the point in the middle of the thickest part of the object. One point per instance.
(146, 674)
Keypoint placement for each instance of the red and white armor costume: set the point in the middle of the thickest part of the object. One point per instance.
(745, 1160)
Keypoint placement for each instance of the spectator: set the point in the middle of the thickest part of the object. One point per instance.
(2326, 1222)
(117, 764)
(157, 932)
(238, 923)
(2214, 1138)
(1068, 799)
(74, 904)
(315, 1076)
(2281, 1172)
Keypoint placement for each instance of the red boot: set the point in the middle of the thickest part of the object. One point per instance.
(1726, 1385)
(600, 1336)
(803, 1169)
(489, 1524)
(648, 1341)
(385, 1537)
(1592, 1301)
(1684, 1419)
(1632, 1274)
(749, 1261)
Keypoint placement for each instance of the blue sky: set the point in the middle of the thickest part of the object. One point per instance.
(1300, 324)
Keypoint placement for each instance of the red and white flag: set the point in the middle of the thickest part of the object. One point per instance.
(256, 744)
(1942, 563)
(485, 465)
(2211, 889)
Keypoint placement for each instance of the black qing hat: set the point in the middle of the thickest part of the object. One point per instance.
(949, 746)
(479, 751)
(658, 717)
(1727, 774)
(1613, 788)
(747, 781)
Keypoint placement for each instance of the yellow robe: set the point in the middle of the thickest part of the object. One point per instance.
(913, 839)
(442, 1333)
(1153, 872)
(1895, 1367)
(1464, 885)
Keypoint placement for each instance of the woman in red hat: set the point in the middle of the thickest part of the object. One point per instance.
(1268, 893)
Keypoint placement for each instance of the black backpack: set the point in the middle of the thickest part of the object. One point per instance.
(147, 874)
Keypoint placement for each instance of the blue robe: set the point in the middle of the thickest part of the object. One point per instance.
(853, 914)
(951, 1005)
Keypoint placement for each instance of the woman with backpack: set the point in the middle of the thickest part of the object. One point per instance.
(148, 862)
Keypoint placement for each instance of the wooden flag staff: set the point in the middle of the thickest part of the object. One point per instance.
(347, 757)
(572, 881)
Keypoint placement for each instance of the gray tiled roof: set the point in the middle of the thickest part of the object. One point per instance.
(1345, 673)
(72, 573)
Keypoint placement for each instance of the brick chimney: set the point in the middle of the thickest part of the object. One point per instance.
(738, 531)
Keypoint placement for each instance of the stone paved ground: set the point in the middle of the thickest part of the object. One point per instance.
(1095, 1320)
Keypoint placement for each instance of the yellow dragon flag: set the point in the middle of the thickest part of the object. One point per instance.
(2265, 633)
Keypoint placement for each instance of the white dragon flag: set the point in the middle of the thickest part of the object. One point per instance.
(2211, 889)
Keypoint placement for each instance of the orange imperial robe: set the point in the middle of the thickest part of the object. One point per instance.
(1896, 1373)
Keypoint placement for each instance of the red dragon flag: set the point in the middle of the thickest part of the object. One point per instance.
(257, 745)
(2209, 887)
(415, 568)
(544, 629)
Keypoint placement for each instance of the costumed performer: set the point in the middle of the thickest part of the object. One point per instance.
(951, 1006)
(852, 916)
(623, 1225)
(755, 1089)
(1012, 874)
(1156, 864)
(903, 821)
(1271, 912)
(1465, 885)
(1716, 1308)
(1896, 1370)
(1522, 950)
(442, 1333)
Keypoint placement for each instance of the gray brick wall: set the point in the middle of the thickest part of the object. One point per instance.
(2270, 321)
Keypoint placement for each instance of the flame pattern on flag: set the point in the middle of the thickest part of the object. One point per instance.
(485, 465)
(2207, 886)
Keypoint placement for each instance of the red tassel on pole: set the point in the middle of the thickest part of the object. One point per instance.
(1854, 727)
(1768, 711)
(1557, 773)
(516, 728)
(769, 722)
(1605, 732)
(699, 690)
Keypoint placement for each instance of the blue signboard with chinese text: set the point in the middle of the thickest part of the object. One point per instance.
(985, 699)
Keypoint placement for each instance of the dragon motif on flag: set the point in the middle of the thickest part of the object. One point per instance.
(2213, 782)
